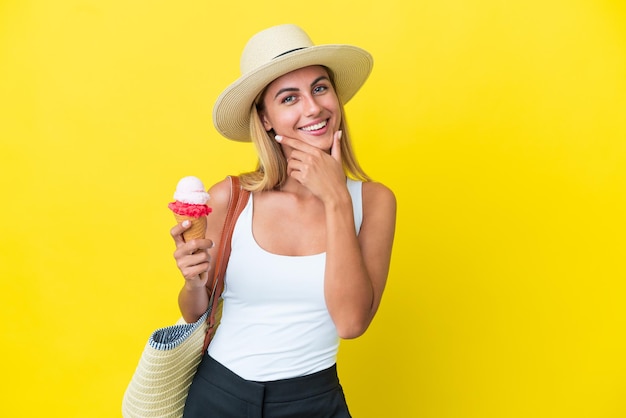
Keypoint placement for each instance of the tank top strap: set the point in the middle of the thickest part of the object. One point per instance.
(356, 193)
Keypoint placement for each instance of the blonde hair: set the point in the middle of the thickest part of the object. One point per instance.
(271, 171)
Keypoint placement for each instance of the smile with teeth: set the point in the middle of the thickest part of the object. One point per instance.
(315, 127)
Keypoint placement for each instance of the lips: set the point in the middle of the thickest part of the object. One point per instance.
(314, 127)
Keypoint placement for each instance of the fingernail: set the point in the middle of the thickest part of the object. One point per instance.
(278, 138)
(339, 134)
(186, 223)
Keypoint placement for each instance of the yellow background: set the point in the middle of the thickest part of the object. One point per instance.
(501, 126)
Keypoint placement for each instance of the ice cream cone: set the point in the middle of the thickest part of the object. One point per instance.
(197, 228)
(190, 204)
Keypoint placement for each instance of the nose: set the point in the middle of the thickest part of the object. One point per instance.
(312, 107)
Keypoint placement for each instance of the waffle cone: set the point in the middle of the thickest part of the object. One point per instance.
(197, 228)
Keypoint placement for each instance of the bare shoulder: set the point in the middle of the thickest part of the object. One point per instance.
(378, 196)
(378, 227)
(220, 195)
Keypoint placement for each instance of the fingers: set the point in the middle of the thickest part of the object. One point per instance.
(318, 169)
(335, 151)
(192, 265)
(192, 258)
(177, 232)
(299, 150)
(194, 246)
(299, 145)
(295, 143)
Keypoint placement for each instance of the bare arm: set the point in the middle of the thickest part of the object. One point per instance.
(356, 266)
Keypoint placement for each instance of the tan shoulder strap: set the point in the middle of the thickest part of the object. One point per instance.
(238, 200)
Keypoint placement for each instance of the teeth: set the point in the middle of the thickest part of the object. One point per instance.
(314, 127)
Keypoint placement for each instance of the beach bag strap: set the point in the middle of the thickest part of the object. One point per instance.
(238, 200)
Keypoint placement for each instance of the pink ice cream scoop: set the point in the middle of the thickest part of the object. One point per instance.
(191, 204)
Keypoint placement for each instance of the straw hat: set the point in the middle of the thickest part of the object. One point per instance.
(274, 52)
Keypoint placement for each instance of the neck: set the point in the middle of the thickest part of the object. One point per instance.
(293, 186)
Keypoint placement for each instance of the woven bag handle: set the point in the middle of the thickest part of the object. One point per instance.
(236, 203)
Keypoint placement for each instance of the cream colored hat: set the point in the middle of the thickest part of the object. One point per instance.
(274, 52)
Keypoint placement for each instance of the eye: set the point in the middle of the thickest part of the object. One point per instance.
(319, 89)
(288, 99)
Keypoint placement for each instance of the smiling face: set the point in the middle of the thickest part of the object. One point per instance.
(302, 104)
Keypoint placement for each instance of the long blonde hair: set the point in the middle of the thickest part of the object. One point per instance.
(271, 171)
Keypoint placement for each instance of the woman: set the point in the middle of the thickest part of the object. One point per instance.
(311, 250)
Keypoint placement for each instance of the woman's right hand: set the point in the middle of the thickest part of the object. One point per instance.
(192, 258)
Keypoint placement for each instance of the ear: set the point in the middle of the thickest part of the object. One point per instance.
(266, 123)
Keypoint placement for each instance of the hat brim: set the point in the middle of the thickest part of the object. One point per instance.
(350, 66)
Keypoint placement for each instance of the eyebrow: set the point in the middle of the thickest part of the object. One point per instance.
(317, 80)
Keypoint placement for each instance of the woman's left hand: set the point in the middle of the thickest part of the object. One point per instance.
(317, 170)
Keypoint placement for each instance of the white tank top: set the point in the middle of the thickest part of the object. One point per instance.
(275, 324)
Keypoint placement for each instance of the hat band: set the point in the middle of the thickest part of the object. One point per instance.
(289, 52)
